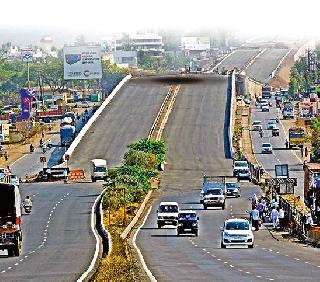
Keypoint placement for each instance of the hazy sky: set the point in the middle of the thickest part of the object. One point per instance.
(248, 16)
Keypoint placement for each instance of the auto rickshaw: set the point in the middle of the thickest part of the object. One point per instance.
(275, 131)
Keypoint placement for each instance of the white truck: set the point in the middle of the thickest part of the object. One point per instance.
(98, 169)
(241, 170)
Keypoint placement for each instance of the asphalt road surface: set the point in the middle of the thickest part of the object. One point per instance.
(127, 118)
(280, 154)
(195, 135)
(265, 64)
(58, 243)
(238, 59)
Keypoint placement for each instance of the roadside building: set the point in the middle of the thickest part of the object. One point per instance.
(126, 58)
(150, 43)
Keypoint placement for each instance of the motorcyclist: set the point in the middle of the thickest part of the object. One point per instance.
(44, 147)
(31, 148)
(261, 133)
(27, 202)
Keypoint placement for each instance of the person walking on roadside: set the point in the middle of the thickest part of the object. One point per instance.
(306, 152)
(308, 223)
(287, 144)
(260, 208)
(255, 218)
(281, 217)
(274, 217)
(302, 151)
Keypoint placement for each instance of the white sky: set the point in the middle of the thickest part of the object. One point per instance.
(248, 16)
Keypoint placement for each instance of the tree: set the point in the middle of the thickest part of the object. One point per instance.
(315, 140)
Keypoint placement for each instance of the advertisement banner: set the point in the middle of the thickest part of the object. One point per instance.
(26, 99)
(82, 62)
(5, 132)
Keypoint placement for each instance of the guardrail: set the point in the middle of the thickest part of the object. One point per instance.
(84, 130)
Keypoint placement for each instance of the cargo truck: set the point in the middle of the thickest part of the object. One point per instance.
(10, 218)
(266, 92)
(67, 135)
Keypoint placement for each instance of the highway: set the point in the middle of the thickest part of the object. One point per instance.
(195, 135)
(239, 58)
(58, 243)
(280, 154)
(262, 67)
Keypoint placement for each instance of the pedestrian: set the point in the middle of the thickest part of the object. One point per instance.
(287, 144)
(253, 200)
(302, 151)
(306, 153)
(260, 208)
(6, 155)
(308, 223)
(274, 218)
(42, 134)
(255, 218)
(281, 217)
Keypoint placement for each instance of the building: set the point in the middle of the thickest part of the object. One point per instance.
(150, 43)
(195, 47)
(46, 43)
(126, 58)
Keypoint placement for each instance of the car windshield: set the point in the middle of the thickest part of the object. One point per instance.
(168, 208)
(100, 169)
(256, 122)
(214, 191)
(266, 145)
(188, 216)
(241, 164)
(237, 225)
(231, 185)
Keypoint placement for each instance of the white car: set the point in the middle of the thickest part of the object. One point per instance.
(237, 232)
(271, 124)
(14, 180)
(168, 213)
(266, 148)
(214, 197)
(265, 108)
(84, 104)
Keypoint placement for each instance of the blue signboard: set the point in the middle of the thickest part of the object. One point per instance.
(26, 99)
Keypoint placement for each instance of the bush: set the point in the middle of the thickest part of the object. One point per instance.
(140, 158)
(157, 148)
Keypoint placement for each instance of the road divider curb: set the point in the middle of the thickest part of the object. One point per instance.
(136, 217)
(86, 127)
(232, 94)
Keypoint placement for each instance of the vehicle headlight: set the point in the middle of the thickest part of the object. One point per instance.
(180, 224)
(194, 224)
(235, 190)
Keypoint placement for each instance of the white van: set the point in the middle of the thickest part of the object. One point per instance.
(98, 169)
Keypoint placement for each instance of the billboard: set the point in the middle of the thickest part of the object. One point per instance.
(200, 43)
(26, 98)
(5, 132)
(82, 62)
(26, 55)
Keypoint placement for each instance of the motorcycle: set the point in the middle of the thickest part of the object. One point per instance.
(27, 209)
(31, 148)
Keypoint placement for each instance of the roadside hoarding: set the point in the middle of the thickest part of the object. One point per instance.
(82, 62)
(26, 96)
(26, 55)
(200, 43)
(5, 132)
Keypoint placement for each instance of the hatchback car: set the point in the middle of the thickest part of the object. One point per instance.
(237, 232)
(266, 148)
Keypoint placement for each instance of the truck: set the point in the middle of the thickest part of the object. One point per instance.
(241, 170)
(67, 135)
(213, 192)
(10, 218)
(296, 137)
(266, 92)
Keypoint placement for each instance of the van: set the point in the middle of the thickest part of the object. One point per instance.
(98, 169)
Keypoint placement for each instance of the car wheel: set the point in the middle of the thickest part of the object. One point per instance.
(205, 207)
(159, 225)
(223, 246)
(251, 246)
(178, 233)
(196, 233)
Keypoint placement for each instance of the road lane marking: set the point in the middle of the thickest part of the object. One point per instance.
(10, 267)
(208, 252)
(296, 258)
(258, 276)
(231, 265)
(16, 263)
(204, 250)
(21, 260)
(248, 272)
(3, 271)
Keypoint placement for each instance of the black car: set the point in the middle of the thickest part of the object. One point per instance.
(233, 189)
(187, 222)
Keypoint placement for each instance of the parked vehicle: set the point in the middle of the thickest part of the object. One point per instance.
(237, 232)
(10, 219)
(98, 169)
(233, 189)
(241, 170)
(266, 148)
(257, 125)
(296, 137)
(167, 214)
(187, 222)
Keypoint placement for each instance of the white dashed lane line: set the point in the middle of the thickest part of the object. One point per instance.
(44, 234)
